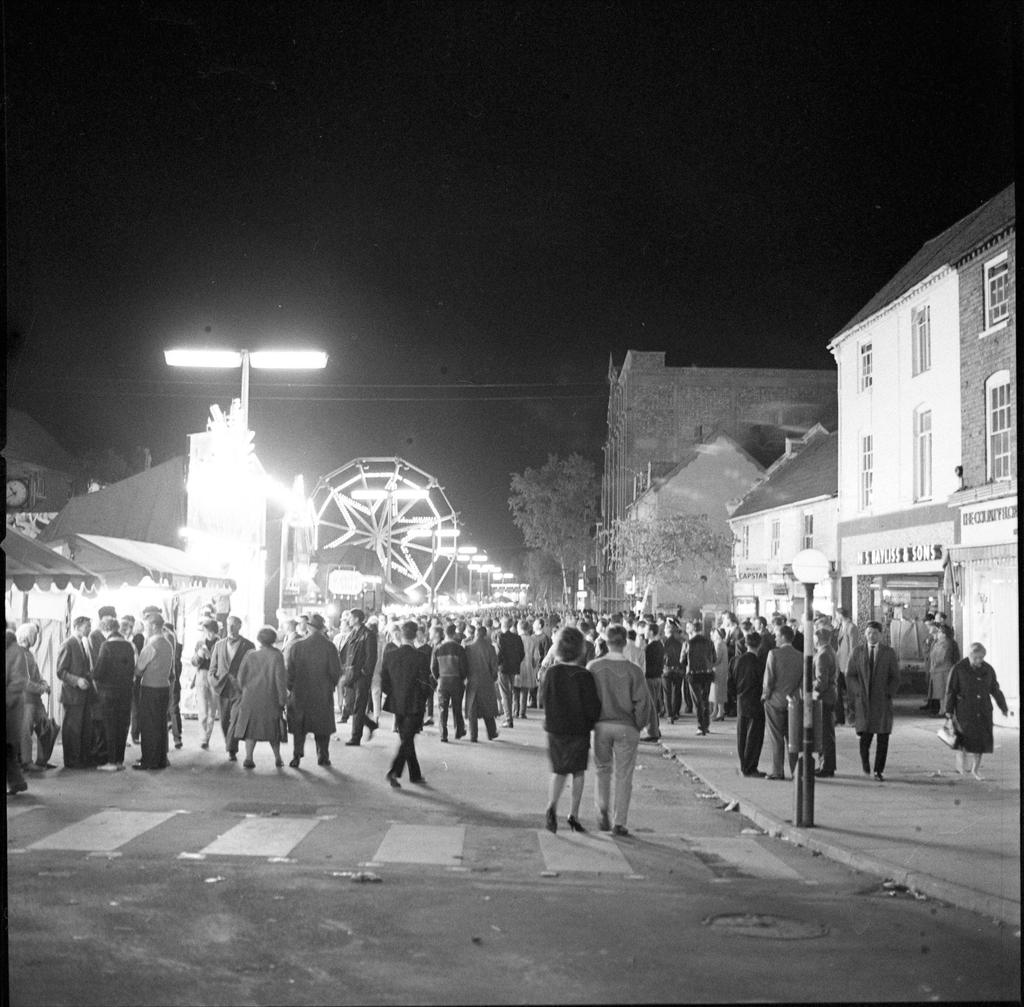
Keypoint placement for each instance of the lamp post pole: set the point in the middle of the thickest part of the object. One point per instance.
(805, 795)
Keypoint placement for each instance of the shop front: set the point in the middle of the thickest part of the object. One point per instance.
(750, 590)
(899, 579)
(984, 574)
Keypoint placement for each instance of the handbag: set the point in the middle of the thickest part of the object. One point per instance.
(47, 730)
(946, 734)
(283, 728)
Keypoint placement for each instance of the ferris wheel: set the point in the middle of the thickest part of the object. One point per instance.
(397, 511)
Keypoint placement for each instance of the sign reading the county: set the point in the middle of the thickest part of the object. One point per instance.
(900, 554)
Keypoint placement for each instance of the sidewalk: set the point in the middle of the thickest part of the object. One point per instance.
(948, 837)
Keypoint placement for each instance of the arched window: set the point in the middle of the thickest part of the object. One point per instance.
(998, 425)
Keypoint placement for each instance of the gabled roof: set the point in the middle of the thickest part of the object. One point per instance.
(28, 442)
(699, 450)
(949, 247)
(810, 473)
(148, 507)
(30, 565)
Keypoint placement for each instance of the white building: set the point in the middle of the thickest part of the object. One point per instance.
(793, 507)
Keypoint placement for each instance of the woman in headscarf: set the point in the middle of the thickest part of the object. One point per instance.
(972, 687)
(264, 685)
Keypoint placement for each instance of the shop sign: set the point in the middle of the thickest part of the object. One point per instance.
(751, 573)
(900, 554)
(344, 582)
(781, 590)
(989, 523)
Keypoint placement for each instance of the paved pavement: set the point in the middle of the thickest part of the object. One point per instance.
(945, 836)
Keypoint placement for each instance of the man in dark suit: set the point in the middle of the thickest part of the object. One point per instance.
(223, 676)
(750, 720)
(77, 695)
(510, 658)
(314, 668)
(358, 662)
(405, 679)
(872, 679)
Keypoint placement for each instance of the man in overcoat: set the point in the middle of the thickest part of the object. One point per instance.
(481, 700)
(405, 680)
(77, 695)
(358, 661)
(224, 664)
(313, 668)
(872, 679)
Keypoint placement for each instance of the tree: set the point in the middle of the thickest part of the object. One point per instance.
(682, 547)
(555, 507)
(543, 575)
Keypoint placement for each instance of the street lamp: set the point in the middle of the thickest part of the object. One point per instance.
(269, 360)
(810, 567)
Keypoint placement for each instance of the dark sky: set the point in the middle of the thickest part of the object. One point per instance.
(469, 206)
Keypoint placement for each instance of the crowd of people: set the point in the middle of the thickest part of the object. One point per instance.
(608, 681)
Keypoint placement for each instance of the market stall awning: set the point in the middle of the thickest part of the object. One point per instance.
(29, 564)
(124, 561)
(148, 507)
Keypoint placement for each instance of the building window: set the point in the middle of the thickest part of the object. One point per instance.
(997, 398)
(865, 369)
(867, 470)
(808, 538)
(997, 291)
(745, 542)
(776, 538)
(922, 454)
(921, 339)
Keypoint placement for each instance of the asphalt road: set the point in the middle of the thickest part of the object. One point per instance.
(210, 884)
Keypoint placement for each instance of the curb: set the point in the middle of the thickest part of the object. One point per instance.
(1003, 910)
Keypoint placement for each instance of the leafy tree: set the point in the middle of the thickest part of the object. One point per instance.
(684, 548)
(543, 575)
(555, 507)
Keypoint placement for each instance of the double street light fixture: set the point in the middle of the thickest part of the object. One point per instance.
(810, 567)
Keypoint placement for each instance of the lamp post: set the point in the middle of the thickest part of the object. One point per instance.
(810, 567)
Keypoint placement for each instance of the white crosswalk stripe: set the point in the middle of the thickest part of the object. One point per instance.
(746, 854)
(262, 837)
(103, 832)
(422, 844)
(575, 852)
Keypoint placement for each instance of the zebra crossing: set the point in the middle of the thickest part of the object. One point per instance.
(313, 839)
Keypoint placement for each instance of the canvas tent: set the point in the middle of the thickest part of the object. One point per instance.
(28, 565)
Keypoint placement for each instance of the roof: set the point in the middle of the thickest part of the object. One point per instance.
(124, 561)
(700, 449)
(949, 247)
(30, 565)
(148, 507)
(810, 473)
(28, 442)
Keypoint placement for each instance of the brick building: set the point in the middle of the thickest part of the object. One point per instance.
(657, 414)
(984, 554)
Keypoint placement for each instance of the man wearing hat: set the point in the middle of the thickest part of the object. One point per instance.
(358, 661)
(313, 668)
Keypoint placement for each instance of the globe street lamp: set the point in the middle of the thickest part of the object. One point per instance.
(810, 567)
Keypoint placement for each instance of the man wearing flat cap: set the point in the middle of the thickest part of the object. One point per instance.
(313, 668)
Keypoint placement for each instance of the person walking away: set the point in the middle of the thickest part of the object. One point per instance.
(434, 638)
(526, 680)
(16, 679)
(542, 639)
(313, 670)
(654, 665)
(825, 675)
(699, 670)
(720, 686)
(33, 710)
(227, 657)
(206, 698)
(114, 676)
(405, 680)
(510, 658)
(625, 701)
(155, 671)
(571, 708)
(672, 673)
(448, 670)
(968, 703)
(848, 639)
(358, 661)
(749, 672)
(77, 695)
(872, 680)
(264, 692)
(944, 655)
(481, 699)
(783, 677)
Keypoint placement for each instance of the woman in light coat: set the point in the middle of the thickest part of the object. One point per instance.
(264, 685)
(720, 687)
(943, 655)
(526, 680)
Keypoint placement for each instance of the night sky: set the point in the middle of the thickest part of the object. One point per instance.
(468, 206)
